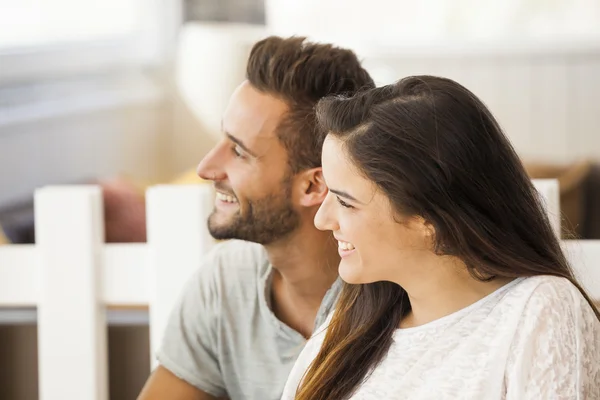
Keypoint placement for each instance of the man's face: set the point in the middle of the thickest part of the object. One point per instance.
(249, 168)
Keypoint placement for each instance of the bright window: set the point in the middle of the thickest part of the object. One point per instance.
(42, 22)
(58, 37)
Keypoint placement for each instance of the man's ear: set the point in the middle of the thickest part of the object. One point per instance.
(312, 187)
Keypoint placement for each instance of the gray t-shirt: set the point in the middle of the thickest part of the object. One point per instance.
(222, 336)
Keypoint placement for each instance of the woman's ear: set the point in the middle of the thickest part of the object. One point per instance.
(426, 229)
(313, 189)
(429, 233)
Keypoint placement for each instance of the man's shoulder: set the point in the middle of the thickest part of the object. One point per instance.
(238, 255)
(235, 265)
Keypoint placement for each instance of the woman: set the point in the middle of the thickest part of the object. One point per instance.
(456, 286)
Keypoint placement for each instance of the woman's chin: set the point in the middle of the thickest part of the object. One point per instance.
(351, 274)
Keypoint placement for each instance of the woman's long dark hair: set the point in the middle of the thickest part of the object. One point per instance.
(437, 152)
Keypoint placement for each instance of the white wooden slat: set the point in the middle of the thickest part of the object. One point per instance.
(18, 276)
(584, 256)
(549, 191)
(72, 356)
(124, 276)
(125, 281)
(178, 239)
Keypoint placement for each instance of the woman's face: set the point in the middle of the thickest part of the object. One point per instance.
(375, 243)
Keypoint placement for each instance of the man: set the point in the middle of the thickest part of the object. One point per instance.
(246, 314)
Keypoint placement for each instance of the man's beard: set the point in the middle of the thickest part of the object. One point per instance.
(264, 221)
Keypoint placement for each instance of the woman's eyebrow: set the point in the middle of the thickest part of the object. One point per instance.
(344, 195)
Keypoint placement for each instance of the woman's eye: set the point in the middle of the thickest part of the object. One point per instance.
(237, 150)
(343, 203)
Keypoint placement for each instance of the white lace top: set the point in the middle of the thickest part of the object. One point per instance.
(535, 338)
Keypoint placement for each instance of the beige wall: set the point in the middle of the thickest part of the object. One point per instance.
(71, 130)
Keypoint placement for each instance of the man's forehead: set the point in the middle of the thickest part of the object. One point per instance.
(253, 114)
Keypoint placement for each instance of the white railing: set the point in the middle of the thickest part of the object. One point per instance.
(72, 277)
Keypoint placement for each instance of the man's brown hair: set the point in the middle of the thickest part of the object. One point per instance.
(301, 73)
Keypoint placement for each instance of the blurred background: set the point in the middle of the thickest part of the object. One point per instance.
(128, 93)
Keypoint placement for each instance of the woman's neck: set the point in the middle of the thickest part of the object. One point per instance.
(444, 287)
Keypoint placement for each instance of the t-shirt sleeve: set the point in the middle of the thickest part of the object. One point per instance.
(556, 350)
(190, 343)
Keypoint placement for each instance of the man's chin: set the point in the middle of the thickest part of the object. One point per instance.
(224, 216)
(220, 233)
(221, 228)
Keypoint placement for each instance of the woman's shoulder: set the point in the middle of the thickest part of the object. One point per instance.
(547, 290)
(555, 303)
(557, 335)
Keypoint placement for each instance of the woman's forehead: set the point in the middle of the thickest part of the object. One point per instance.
(340, 172)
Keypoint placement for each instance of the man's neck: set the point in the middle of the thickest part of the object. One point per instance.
(305, 266)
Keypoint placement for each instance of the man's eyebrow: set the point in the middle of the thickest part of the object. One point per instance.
(344, 194)
(240, 143)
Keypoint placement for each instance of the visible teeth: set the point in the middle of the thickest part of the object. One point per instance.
(226, 198)
(345, 245)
